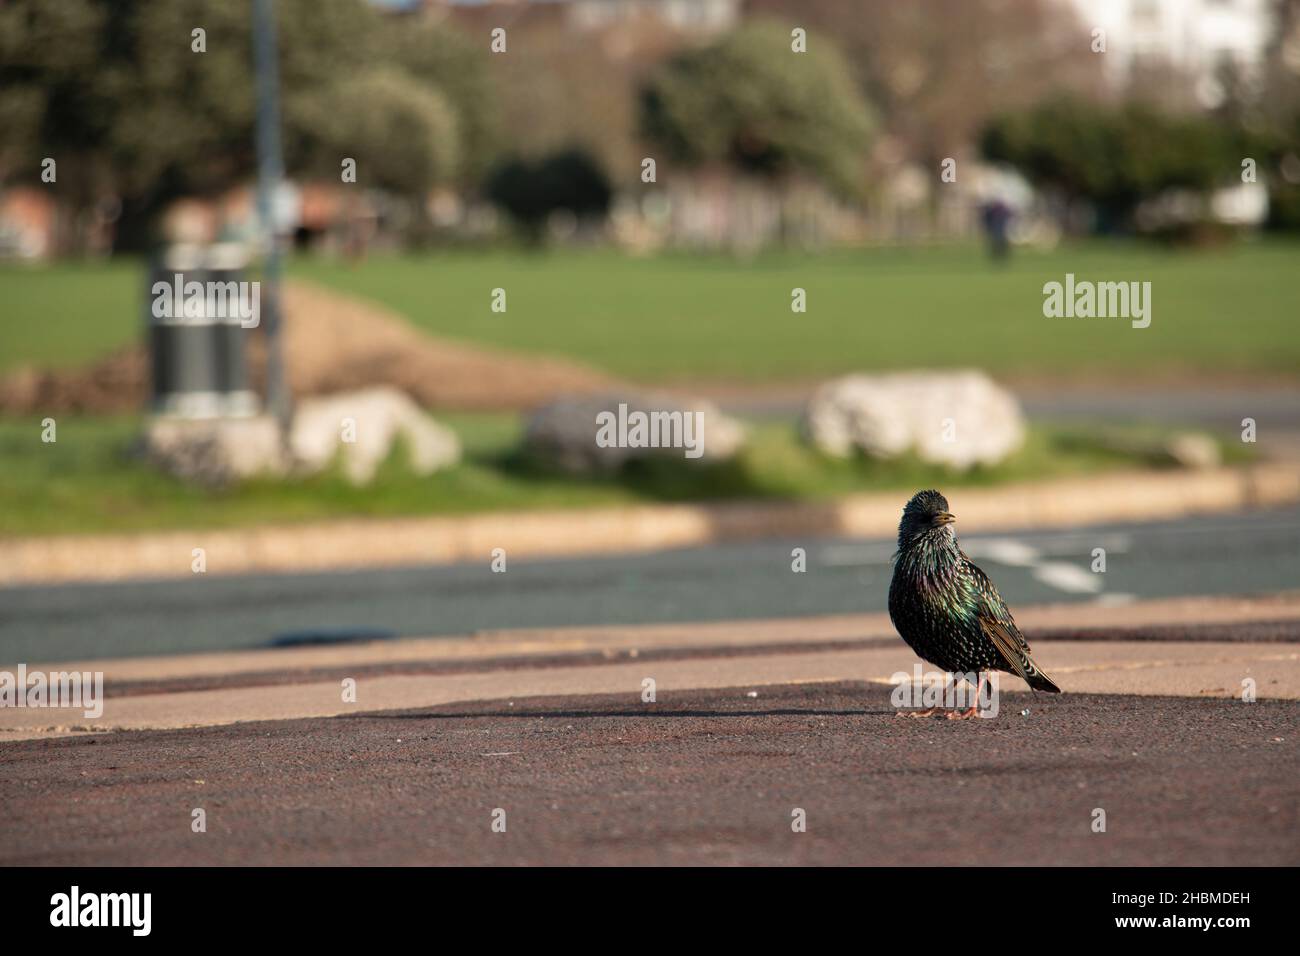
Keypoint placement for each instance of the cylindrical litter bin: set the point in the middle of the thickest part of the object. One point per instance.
(201, 311)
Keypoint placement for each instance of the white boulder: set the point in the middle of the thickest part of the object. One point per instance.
(214, 452)
(959, 419)
(362, 427)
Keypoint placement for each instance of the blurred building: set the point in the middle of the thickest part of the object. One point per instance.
(1199, 38)
(27, 219)
(703, 17)
(33, 224)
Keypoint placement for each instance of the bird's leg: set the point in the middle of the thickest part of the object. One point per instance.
(936, 711)
(974, 709)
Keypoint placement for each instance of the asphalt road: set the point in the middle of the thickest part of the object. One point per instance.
(1235, 554)
(1218, 407)
(707, 777)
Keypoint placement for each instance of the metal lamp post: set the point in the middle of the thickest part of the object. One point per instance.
(270, 172)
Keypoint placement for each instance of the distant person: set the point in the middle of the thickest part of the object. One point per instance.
(996, 216)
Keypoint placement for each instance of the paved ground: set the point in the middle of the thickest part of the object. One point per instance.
(1202, 647)
(1231, 554)
(752, 720)
(698, 777)
(1199, 669)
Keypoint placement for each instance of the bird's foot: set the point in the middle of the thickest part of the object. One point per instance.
(929, 712)
(967, 714)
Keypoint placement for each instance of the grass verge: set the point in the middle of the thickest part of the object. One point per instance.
(88, 481)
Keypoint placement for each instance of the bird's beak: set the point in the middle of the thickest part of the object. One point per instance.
(943, 518)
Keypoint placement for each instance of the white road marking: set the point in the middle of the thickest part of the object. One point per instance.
(1067, 577)
(1013, 552)
(1070, 578)
(1009, 551)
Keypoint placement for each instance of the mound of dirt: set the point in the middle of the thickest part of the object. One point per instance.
(117, 383)
(332, 343)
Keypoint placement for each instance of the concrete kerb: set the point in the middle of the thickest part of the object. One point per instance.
(342, 545)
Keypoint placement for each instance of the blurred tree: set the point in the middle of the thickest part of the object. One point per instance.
(443, 58)
(53, 101)
(1282, 60)
(937, 69)
(749, 100)
(114, 91)
(562, 87)
(401, 132)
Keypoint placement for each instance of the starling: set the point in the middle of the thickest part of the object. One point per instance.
(946, 609)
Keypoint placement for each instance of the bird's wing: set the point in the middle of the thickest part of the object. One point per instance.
(1004, 640)
(998, 625)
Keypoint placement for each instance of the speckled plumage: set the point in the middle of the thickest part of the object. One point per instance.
(946, 608)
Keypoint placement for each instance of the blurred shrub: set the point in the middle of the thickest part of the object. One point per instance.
(1114, 157)
(1284, 207)
(531, 190)
(750, 101)
(1283, 170)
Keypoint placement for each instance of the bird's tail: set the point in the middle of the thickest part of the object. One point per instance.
(1040, 681)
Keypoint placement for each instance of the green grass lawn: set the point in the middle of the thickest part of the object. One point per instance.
(69, 313)
(675, 317)
(88, 480)
(681, 317)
